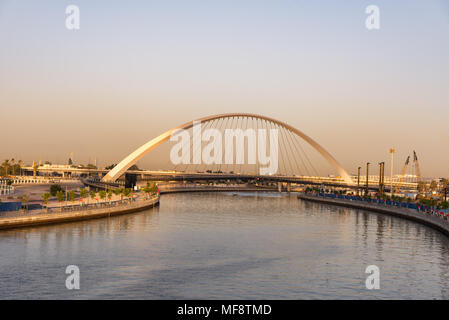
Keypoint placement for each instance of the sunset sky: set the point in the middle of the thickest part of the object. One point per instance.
(138, 68)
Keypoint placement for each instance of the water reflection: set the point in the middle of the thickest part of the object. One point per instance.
(225, 246)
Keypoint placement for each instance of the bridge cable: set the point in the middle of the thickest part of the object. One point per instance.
(289, 152)
(254, 126)
(281, 160)
(296, 155)
(218, 127)
(293, 154)
(234, 150)
(292, 137)
(225, 145)
(307, 158)
(257, 133)
(231, 143)
(186, 165)
(284, 148)
(313, 171)
(311, 164)
(190, 155)
(242, 120)
(234, 168)
(246, 127)
(175, 167)
(246, 168)
(192, 150)
(213, 164)
(183, 165)
(200, 146)
(223, 135)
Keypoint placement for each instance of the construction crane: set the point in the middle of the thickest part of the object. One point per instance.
(404, 170)
(418, 173)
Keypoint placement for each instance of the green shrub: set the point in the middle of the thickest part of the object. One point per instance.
(60, 196)
(102, 194)
(46, 197)
(71, 195)
(54, 188)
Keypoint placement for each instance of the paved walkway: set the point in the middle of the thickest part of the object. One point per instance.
(56, 207)
(40, 217)
(435, 222)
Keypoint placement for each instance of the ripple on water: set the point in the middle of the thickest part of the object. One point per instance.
(212, 245)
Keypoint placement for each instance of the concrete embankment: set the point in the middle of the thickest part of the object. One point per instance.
(410, 214)
(62, 217)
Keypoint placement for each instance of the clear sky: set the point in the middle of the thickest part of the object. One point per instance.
(138, 68)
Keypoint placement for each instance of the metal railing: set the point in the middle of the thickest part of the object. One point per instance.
(127, 203)
(433, 211)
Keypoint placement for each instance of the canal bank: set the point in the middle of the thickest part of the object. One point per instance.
(220, 246)
(432, 221)
(77, 215)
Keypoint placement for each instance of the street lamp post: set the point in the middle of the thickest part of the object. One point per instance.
(392, 151)
(367, 172)
(358, 181)
(381, 177)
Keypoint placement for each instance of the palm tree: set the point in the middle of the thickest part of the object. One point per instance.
(433, 185)
(20, 166)
(102, 194)
(25, 199)
(71, 195)
(84, 192)
(60, 197)
(12, 165)
(45, 198)
(35, 166)
(5, 165)
(92, 194)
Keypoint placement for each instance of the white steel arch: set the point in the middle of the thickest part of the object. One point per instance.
(135, 156)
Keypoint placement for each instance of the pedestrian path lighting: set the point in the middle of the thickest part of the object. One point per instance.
(367, 172)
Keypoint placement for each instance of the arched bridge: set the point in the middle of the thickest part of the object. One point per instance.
(285, 140)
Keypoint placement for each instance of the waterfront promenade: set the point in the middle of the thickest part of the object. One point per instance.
(100, 210)
(42, 217)
(424, 217)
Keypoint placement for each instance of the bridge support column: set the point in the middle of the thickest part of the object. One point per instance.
(279, 186)
(289, 187)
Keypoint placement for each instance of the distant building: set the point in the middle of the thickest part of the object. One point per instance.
(56, 166)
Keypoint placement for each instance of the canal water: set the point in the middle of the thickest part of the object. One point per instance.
(227, 246)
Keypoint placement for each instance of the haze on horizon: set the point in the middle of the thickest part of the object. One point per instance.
(135, 70)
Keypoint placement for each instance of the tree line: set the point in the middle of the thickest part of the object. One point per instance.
(11, 167)
(57, 191)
